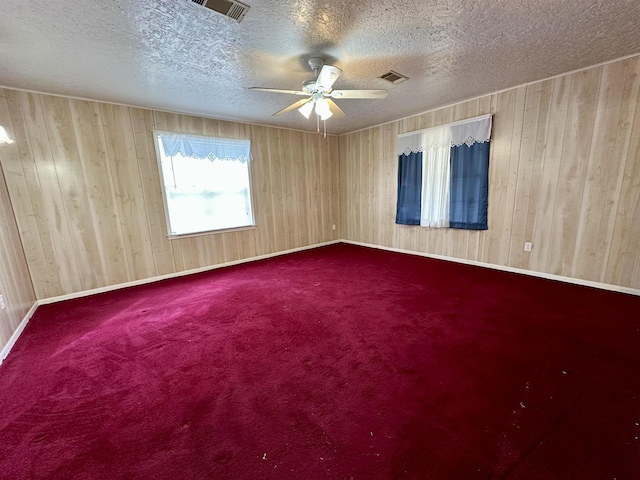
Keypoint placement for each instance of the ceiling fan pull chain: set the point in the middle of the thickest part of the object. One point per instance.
(318, 124)
(325, 128)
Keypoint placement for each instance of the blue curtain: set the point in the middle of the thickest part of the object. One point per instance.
(409, 189)
(469, 186)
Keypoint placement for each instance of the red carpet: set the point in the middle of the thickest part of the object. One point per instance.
(341, 363)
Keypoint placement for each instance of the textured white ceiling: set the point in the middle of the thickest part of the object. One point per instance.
(175, 55)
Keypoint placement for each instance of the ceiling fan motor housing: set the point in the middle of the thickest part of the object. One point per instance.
(310, 87)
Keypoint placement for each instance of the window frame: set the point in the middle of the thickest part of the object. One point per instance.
(163, 190)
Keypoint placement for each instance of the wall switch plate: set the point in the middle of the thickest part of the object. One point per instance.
(527, 246)
(2, 304)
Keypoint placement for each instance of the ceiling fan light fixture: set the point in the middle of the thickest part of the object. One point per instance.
(326, 116)
(4, 138)
(306, 109)
(322, 109)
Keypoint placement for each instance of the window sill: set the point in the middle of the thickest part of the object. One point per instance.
(211, 232)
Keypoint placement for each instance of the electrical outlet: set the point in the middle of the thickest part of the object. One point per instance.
(528, 246)
(2, 304)
(333, 227)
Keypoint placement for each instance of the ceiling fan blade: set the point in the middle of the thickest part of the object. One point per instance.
(328, 75)
(358, 94)
(293, 106)
(335, 109)
(277, 90)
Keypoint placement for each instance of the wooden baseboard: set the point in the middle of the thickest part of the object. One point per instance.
(14, 337)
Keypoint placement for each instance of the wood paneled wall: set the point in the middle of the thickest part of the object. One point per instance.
(15, 281)
(86, 192)
(564, 174)
(82, 180)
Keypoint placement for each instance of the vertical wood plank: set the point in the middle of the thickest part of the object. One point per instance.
(28, 202)
(289, 189)
(143, 124)
(15, 276)
(603, 170)
(623, 263)
(571, 179)
(512, 177)
(503, 125)
(550, 173)
(261, 179)
(628, 112)
(390, 168)
(96, 177)
(517, 257)
(539, 152)
(276, 161)
(129, 196)
(61, 263)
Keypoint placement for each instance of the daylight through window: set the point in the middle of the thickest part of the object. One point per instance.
(206, 183)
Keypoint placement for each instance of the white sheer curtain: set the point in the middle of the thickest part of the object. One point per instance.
(435, 177)
(435, 145)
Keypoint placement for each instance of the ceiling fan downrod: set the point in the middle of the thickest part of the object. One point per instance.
(316, 64)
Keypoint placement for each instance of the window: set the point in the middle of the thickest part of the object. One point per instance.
(206, 183)
(443, 175)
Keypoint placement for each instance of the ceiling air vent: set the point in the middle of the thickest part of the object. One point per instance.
(230, 8)
(393, 77)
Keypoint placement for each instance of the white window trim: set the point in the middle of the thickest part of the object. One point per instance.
(212, 232)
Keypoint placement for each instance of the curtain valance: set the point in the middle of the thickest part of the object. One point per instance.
(196, 146)
(473, 130)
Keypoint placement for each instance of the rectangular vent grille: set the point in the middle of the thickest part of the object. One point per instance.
(393, 77)
(237, 11)
(230, 8)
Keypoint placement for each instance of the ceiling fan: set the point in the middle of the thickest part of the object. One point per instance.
(320, 94)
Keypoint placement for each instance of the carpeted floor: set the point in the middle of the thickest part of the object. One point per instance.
(341, 363)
